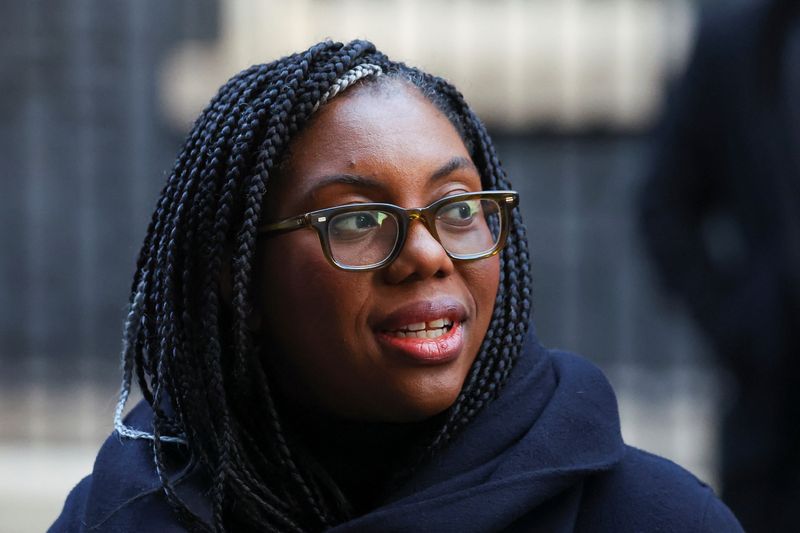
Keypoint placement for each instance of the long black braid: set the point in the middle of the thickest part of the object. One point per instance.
(195, 359)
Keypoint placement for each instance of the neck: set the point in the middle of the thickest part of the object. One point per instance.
(364, 459)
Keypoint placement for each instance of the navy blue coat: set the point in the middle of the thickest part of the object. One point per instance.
(547, 456)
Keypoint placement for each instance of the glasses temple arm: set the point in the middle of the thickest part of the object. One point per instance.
(285, 225)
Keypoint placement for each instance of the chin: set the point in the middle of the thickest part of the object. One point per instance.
(418, 407)
(428, 395)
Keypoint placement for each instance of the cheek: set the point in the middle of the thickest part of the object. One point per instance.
(284, 264)
(313, 327)
(482, 279)
(301, 290)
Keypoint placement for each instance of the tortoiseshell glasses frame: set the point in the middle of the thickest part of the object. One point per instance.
(358, 225)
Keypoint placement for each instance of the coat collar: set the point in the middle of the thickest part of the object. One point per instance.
(555, 422)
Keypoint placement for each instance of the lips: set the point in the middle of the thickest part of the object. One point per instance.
(429, 331)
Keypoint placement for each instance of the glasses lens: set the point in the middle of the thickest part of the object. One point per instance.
(469, 227)
(362, 238)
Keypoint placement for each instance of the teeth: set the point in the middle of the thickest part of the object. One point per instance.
(433, 324)
(422, 330)
(436, 324)
(433, 333)
(422, 334)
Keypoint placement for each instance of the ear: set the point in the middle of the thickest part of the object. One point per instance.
(226, 292)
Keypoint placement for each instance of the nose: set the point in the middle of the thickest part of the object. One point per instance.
(421, 257)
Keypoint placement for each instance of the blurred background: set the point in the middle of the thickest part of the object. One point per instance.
(98, 95)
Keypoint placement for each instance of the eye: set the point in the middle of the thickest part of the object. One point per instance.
(356, 224)
(459, 213)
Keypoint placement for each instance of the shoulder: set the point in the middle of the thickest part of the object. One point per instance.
(124, 492)
(647, 492)
(89, 509)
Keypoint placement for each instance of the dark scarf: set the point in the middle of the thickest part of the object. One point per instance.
(366, 460)
(554, 424)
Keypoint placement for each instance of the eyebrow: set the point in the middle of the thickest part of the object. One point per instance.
(455, 163)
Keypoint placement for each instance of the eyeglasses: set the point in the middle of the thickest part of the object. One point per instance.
(369, 236)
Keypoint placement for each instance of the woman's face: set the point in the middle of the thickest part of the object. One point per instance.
(338, 341)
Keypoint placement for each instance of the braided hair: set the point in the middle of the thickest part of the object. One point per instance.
(195, 360)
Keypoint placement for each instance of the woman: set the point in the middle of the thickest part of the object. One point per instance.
(330, 326)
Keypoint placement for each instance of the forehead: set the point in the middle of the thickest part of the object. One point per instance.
(388, 132)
